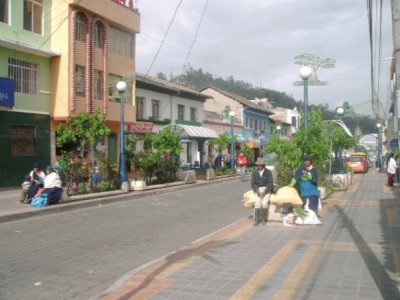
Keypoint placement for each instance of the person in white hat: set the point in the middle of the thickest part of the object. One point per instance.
(262, 184)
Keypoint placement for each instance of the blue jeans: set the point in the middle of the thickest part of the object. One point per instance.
(243, 173)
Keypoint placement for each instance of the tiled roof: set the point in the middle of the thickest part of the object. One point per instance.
(238, 98)
(169, 86)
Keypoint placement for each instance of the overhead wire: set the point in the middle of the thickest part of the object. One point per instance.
(194, 38)
(164, 38)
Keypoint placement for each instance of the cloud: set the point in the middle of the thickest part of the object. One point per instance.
(256, 40)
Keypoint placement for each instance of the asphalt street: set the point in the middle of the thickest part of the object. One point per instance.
(78, 254)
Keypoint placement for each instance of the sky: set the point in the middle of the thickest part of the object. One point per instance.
(257, 40)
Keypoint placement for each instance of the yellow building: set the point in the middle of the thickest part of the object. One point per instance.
(96, 42)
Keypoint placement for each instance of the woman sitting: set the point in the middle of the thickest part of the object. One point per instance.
(37, 176)
(52, 186)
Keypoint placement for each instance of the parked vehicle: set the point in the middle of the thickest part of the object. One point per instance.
(358, 162)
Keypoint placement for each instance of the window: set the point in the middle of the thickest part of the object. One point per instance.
(25, 74)
(255, 125)
(294, 121)
(98, 84)
(4, 11)
(247, 123)
(193, 114)
(80, 27)
(23, 141)
(121, 42)
(251, 123)
(99, 34)
(181, 112)
(140, 108)
(33, 15)
(80, 80)
(155, 109)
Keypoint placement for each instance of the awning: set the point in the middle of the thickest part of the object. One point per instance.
(187, 131)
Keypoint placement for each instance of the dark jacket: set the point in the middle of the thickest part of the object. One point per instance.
(266, 180)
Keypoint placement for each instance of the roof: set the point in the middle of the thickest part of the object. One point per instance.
(278, 118)
(238, 98)
(187, 131)
(167, 87)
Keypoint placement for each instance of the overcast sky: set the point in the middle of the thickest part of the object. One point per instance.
(256, 40)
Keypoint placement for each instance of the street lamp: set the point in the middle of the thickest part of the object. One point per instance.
(379, 158)
(305, 74)
(123, 177)
(339, 150)
(232, 118)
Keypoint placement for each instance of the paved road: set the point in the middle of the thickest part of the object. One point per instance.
(78, 254)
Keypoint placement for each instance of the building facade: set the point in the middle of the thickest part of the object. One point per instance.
(163, 103)
(96, 42)
(25, 61)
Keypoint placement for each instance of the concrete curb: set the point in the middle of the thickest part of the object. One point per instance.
(78, 202)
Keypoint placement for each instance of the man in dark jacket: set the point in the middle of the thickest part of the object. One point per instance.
(262, 183)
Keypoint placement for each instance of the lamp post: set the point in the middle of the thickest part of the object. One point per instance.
(339, 115)
(379, 158)
(123, 177)
(305, 74)
(232, 118)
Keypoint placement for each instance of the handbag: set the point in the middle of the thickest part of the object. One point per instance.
(40, 201)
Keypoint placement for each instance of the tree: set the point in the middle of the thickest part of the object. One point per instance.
(83, 130)
(223, 141)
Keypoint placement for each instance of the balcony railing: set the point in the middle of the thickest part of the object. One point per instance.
(156, 120)
(185, 122)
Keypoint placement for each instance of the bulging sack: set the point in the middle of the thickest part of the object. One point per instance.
(40, 201)
(286, 194)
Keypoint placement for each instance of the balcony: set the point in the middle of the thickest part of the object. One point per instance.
(112, 10)
(156, 121)
(191, 123)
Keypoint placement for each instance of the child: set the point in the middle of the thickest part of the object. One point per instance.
(289, 217)
(25, 188)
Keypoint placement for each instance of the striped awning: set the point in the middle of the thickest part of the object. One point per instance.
(187, 131)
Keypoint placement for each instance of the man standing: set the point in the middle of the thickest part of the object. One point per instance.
(391, 170)
(262, 184)
(308, 177)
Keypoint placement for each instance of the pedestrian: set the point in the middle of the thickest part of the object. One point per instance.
(37, 177)
(52, 186)
(242, 163)
(262, 184)
(391, 170)
(308, 177)
(219, 161)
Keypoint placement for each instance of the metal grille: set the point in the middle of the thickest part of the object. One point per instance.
(25, 74)
(23, 141)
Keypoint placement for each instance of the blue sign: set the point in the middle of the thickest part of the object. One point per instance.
(7, 90)
(394, 144)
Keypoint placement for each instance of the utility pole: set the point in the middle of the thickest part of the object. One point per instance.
(396, 53)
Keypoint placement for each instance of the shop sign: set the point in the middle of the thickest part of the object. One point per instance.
(140, 127)
(7, 90)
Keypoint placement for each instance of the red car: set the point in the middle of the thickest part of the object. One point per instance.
(358, 164)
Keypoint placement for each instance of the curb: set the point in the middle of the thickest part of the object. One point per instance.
(78, 202)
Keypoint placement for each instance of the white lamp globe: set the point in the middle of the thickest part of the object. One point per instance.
(379, 125)
(340, 111)
(121, 86)
(278, 127)
(231, 114)
(305, 72)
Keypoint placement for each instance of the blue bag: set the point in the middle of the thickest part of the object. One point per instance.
(40, 201)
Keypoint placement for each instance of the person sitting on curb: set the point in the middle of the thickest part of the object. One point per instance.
(52, 186)
(262, 184)
(308, 177)
(37, 177)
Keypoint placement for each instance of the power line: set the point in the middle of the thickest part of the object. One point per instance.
(164, 38)
(195, 37)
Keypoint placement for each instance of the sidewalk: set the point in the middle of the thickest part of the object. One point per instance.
(355, 254)
(11, 209)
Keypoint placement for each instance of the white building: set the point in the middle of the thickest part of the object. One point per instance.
(163, 103)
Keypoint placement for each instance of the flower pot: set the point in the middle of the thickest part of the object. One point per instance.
(349, 178)
(138, 185)
(322, 191)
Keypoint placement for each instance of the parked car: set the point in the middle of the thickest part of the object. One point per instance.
(358, 163)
